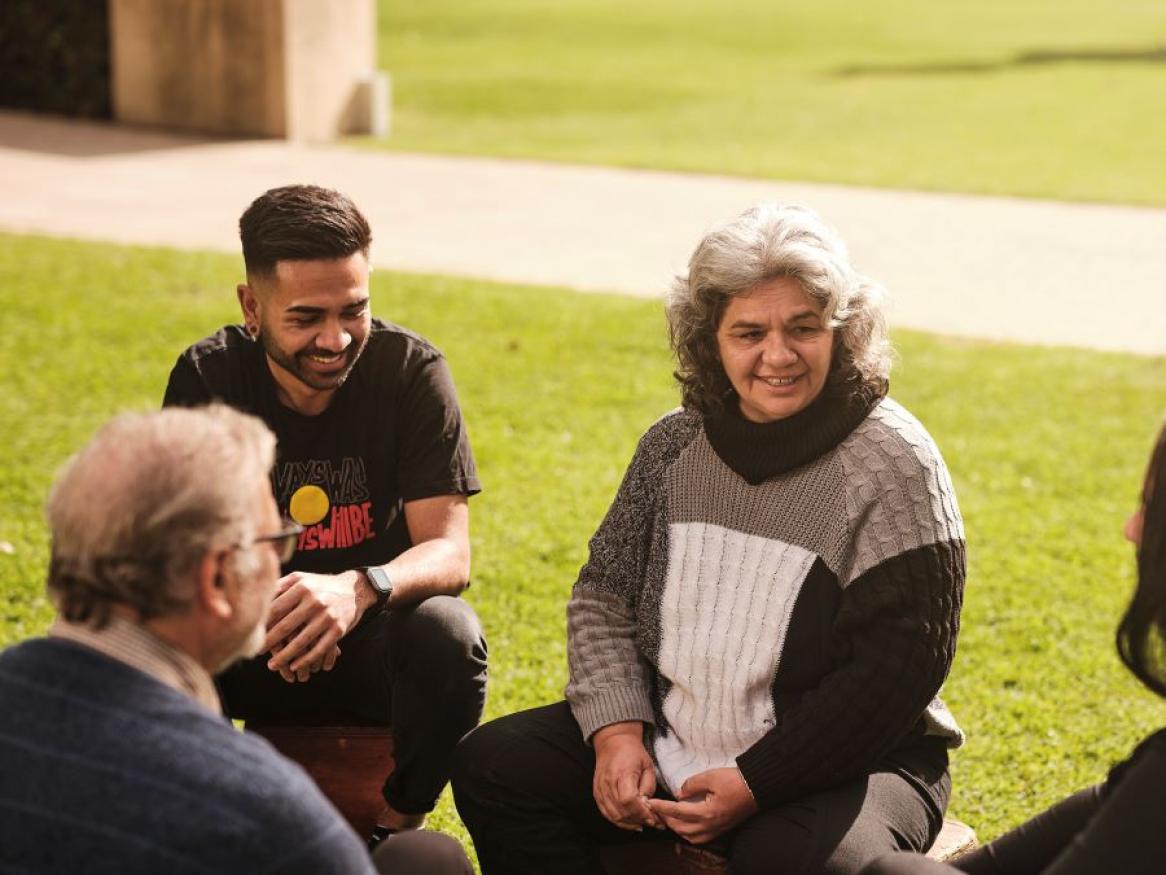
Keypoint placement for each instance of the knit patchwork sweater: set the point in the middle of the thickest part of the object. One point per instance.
(784, 599)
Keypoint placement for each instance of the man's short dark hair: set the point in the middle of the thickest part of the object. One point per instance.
(300, 223)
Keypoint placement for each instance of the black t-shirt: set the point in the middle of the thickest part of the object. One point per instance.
(393, 433)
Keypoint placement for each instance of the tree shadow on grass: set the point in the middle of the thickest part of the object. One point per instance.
(1152, 55)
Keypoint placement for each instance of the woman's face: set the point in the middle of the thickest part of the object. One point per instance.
(775, 348)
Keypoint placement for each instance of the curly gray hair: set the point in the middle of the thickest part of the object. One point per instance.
(136, 510)
(763, 243)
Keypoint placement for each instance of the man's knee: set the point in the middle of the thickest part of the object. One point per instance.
(441, 632)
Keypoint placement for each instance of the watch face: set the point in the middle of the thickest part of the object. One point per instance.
(379, 580)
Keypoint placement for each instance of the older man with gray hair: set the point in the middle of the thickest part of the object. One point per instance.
(166, 546)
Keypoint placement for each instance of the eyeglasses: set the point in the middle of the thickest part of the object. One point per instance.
(284, 541)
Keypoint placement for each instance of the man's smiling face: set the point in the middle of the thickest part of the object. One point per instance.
(313, 321)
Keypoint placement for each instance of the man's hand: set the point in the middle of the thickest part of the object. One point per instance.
(304, 673)
(310, 614)
(624, 776)
(711, 803)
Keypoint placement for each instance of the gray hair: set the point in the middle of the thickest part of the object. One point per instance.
(136, 510)
(763, 243)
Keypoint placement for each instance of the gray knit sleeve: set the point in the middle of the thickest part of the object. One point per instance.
(610, 682)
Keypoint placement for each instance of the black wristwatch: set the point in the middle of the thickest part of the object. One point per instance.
(378, 579)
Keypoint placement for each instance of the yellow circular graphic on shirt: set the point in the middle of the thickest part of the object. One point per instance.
(308, 505)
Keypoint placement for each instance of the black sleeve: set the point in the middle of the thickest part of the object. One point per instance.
(185, 387)
(1116, 827)
(895, 629)
(435, 456)
(1127, 834)
(1026, 850)
(1033, 845)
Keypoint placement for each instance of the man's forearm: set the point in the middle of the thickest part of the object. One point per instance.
(439, 566)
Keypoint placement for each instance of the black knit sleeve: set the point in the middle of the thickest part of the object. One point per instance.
(893, 640)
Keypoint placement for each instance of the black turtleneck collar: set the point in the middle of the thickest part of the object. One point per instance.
(760, 450)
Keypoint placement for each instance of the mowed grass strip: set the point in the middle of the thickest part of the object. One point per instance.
(1046, 447)
(1047, 98)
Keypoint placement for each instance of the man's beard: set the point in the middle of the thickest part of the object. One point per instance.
(249, 647)
(293, 362)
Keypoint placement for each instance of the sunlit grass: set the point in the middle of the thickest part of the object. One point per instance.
(1049, 98)
(1046, 447)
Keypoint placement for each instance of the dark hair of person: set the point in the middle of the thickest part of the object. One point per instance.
(300, 223)
(1141, 635)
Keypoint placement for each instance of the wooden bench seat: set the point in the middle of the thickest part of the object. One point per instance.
(348, 762)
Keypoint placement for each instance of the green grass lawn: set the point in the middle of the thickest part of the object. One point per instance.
(1046, 447)
(1048, 98)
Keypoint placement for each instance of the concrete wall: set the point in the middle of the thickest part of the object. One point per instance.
(299, 69)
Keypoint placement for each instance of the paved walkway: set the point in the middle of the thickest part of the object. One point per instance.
(1084, 275)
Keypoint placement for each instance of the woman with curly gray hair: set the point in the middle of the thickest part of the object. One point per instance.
(770, 248)
(770, 605)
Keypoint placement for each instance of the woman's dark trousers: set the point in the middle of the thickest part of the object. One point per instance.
(523, 788)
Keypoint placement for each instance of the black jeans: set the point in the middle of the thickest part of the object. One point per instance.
(420, 669)
(523, 788)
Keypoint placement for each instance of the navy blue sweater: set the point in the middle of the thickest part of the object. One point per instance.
(105, 769)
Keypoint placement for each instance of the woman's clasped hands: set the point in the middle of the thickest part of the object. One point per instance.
(710, 803)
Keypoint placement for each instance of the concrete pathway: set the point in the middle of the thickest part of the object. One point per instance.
(1033, 271)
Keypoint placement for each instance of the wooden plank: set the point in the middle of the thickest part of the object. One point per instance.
(348, 763)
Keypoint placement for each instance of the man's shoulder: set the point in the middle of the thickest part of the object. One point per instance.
(400, 366)
(61, 666)
(222, 363)
(227, 366)
(193, 788)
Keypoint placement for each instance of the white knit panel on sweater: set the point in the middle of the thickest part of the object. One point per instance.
(725, 609)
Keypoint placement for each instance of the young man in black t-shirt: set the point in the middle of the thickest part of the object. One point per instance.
(374, 463)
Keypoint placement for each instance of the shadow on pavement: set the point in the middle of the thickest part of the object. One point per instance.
(86, 138)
